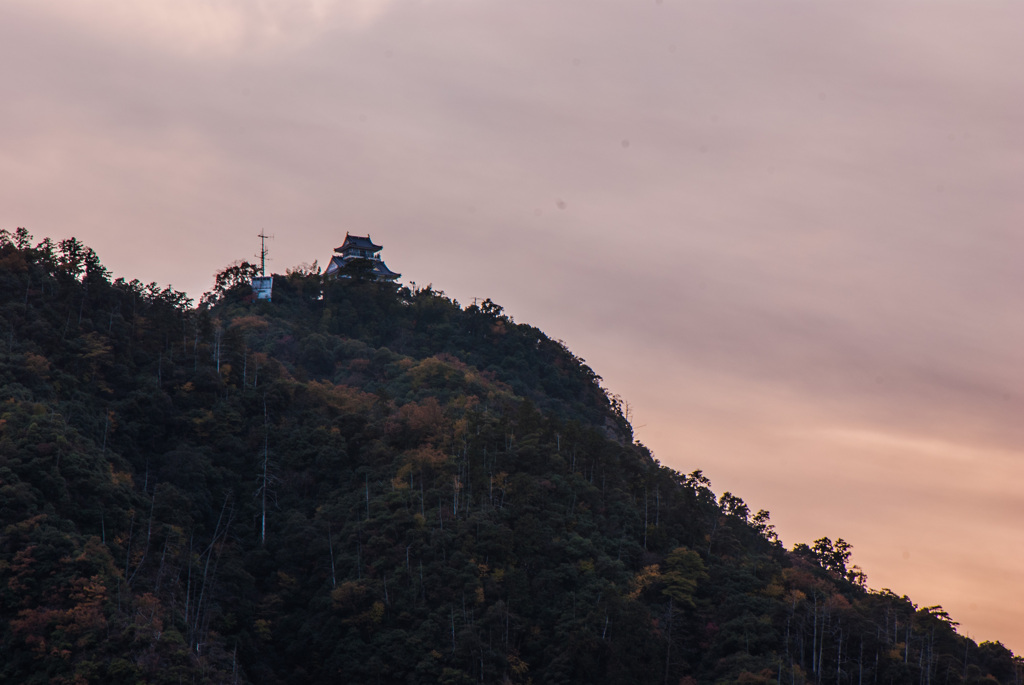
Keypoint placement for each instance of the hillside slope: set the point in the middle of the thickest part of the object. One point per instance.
(361, 483)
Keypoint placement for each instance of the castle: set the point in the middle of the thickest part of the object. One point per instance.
(358, 247)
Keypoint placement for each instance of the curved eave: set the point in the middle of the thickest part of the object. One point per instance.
(335, 264)
(383, 271)
(358, 243)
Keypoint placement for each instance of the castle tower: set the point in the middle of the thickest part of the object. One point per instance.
(358, 247)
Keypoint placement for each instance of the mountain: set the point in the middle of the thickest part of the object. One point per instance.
(362, 483)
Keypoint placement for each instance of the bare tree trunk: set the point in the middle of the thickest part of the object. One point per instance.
(453, 629)
(128, 552)
(330, 548)
(149, 537)
(201, 619)
(860, 663)
(455, 497)
(266, 441)
(668, 647)
(814, 635)
(188, 580)
(645, 518)
(839, 656)
(217, 334)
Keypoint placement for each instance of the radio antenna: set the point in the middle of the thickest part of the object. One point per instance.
(263, 251)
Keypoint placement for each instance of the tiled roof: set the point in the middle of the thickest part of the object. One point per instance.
(383, 271)
(379, 268)
(357, 242)
(335, 264)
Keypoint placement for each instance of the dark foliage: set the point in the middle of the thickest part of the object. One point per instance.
(363, 483)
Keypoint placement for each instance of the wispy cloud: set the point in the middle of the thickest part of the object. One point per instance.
(205, 28)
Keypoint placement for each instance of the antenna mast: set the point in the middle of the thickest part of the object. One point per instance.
(263, 251)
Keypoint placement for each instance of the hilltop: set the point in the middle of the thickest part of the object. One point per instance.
(359, 482)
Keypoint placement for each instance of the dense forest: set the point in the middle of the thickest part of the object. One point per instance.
(363, 483)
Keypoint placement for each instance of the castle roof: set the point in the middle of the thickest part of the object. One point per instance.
(383, 271)
(377, 267)
(357, 242)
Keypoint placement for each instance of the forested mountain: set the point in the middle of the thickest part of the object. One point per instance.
(364, 483)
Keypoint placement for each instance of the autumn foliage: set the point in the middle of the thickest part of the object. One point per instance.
(359, 482)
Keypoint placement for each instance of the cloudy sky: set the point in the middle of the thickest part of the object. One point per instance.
(784, 231)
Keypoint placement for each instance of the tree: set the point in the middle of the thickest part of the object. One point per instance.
(236, 275)
(831, 556)
(684, 571)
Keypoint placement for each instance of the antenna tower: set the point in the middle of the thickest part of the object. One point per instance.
(263, 251)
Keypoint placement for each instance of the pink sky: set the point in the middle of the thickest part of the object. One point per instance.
(786, 232)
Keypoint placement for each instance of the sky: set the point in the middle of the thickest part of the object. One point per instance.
(785, 232)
